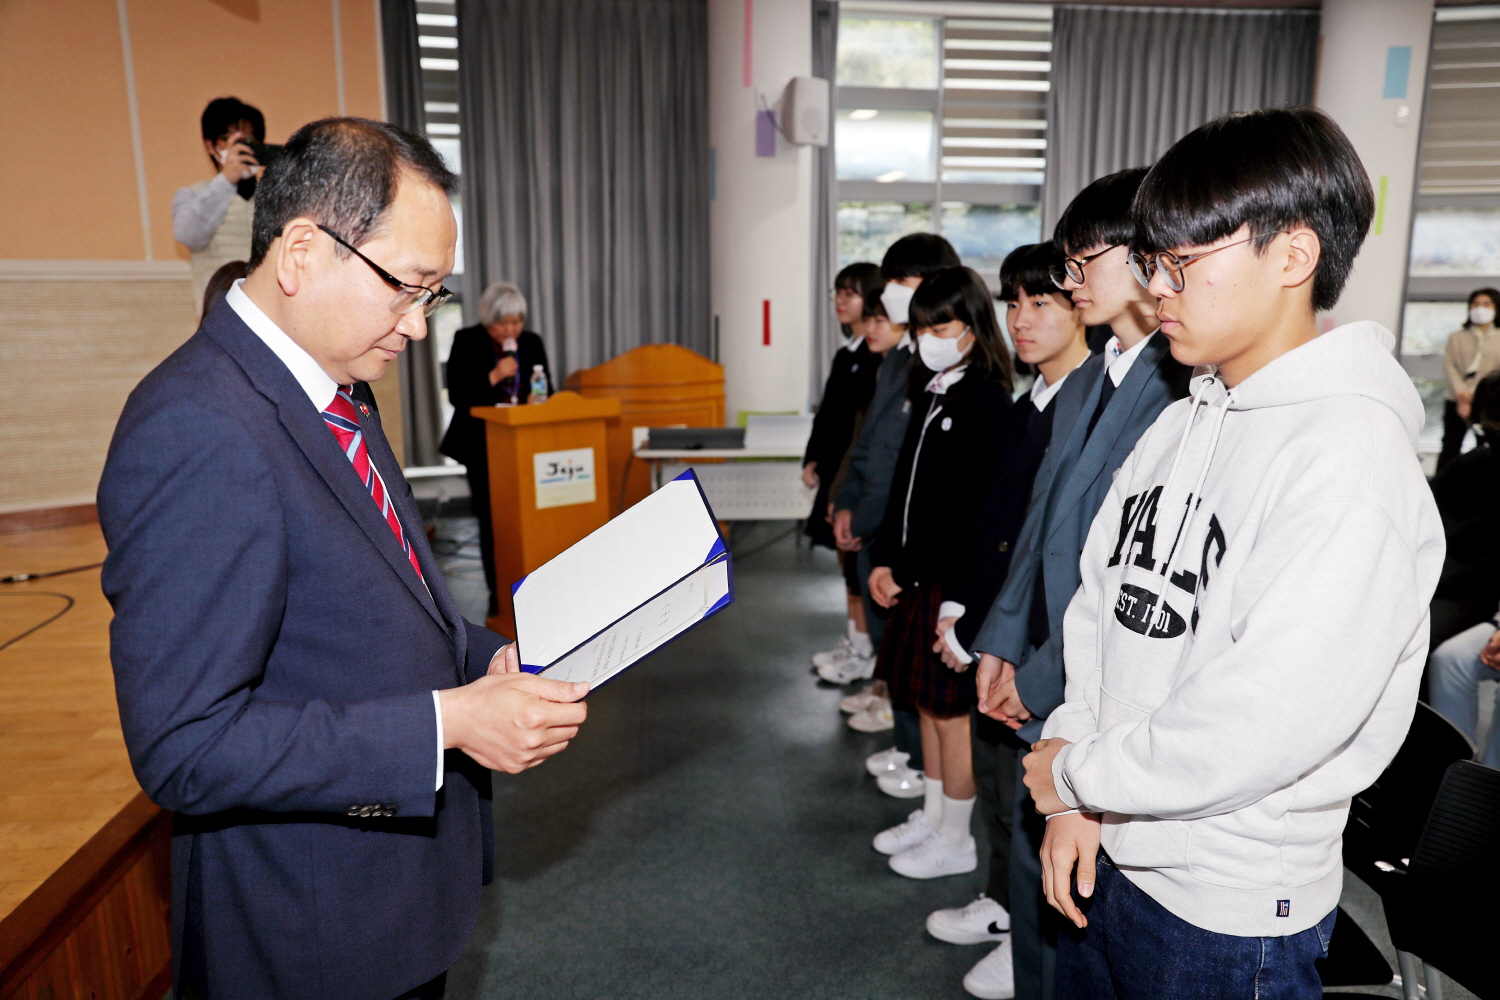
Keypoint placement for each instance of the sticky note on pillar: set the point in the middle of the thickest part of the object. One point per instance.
(765, 133)
(1397, 71)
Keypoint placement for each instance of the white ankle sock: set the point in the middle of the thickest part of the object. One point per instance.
(861, 641)
(956, 813)
(932, 802)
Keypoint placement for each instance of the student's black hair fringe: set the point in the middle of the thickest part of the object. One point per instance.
(1029, 268)
(1267, 170)
(959, 293)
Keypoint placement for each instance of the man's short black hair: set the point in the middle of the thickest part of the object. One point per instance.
(919, 255)
(224, 113)
(1030, 267)
(1267, 170)
(341, 172)
(1099, 215)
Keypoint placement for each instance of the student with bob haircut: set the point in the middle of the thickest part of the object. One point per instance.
(961, 396)
(1244, 652)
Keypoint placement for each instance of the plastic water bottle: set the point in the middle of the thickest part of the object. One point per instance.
(538, 385)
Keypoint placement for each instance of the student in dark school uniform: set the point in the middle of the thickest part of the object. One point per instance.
(851, 383)
(961, 402)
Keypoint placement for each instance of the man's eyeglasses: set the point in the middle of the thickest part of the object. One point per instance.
(1073, 267)
(409, 297)
(1144, 266)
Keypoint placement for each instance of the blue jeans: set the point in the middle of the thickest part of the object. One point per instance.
(1134, 949)
(1453, 676)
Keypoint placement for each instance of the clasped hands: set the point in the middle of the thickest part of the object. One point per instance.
(1070, 840)
(509, 720)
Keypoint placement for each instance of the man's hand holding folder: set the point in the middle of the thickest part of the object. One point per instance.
(510, 721)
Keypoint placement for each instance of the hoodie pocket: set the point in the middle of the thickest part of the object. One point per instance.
(1146, 842)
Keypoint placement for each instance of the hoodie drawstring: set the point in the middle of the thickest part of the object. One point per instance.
(1195, 500)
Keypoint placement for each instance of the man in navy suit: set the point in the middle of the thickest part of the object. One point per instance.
(294, 679)
(1102, 409)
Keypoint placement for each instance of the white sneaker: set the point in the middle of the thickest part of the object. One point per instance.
(934, 858)
(994, 978)
(856, 703)
(886, 761)
(903, 784)
(982, 920)
(835, 656)
(875, 719)
(909, 834)
(848, 670)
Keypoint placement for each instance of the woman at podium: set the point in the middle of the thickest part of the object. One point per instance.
(493, 363)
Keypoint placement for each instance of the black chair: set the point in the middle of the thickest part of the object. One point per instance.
(1445, 909)
(1380, 837)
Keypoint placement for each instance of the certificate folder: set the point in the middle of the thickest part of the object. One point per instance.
(625, 590)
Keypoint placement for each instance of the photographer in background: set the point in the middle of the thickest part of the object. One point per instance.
(212, 218)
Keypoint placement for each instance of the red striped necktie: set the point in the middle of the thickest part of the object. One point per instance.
(341, 420)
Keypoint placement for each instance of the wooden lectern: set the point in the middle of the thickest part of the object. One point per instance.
(658, 385)
(549, 483)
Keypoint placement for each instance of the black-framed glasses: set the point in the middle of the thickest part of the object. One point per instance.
(1073, 267)
(409, 298)
(1145, 265)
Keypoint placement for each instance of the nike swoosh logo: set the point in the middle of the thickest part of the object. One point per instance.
(995, 927)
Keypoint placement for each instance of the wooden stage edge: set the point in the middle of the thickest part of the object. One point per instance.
(98, 927)
(48, 517)
(85, 857)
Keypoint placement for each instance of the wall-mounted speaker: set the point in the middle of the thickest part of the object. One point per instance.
(804, 111)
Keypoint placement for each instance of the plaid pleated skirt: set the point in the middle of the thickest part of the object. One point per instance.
(907, 663)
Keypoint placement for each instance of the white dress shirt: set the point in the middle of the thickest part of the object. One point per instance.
(1118, 362)
(320, 389)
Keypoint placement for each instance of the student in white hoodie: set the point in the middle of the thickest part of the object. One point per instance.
(1244, 652)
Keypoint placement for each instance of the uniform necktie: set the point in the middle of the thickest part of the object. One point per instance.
(351, 437)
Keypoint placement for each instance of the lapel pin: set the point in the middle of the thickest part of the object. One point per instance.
(364, 409)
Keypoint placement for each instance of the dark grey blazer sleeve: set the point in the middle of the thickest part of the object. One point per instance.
(194, 631)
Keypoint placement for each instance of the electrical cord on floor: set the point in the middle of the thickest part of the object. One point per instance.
(67, 606)
(741, 556)
(68, 601)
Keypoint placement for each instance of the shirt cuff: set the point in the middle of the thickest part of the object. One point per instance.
(437, 708)
(950, 609)
(952, 640)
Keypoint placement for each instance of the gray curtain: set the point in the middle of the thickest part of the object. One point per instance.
(585, 150)
(421, 412)
(826, 335)
(1127, 83)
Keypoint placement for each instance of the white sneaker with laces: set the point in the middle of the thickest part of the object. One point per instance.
(856, 703)
(980, 921)
(875, 719)
(934, 858)
(886, 761)
(835, 656)
(903, 784)
(909, 834)
(848, 670)
(994, 978)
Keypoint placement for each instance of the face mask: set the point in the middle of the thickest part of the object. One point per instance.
(940, 353)
(897, 299)
(1481, 315)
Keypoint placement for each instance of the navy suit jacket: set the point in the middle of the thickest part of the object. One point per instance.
(1070, 487)
(274, 656)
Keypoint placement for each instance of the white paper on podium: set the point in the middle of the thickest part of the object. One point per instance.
(630, 587)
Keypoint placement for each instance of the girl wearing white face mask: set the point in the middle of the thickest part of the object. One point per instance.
(1472, 352)
(960, 394)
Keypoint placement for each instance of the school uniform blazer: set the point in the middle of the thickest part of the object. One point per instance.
(274, 656)
(872, 460)
(1069, 489)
